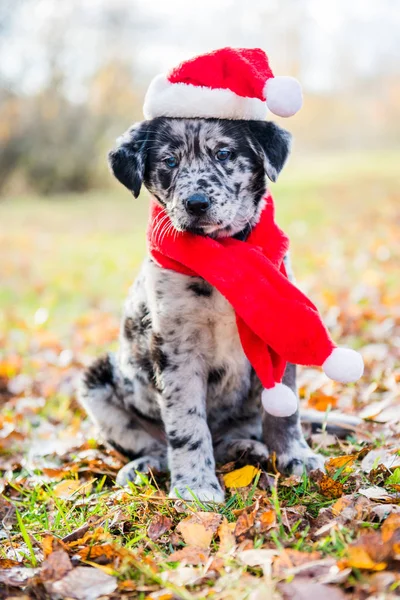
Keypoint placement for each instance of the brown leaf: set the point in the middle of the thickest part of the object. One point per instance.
(83, 583)
(7, 563)
(388, 458)
(303, 588)
(158, 526)
(192, 555)
(288, 559)
(199, 528)
(243, 525)
(56, 566)
(330, 488)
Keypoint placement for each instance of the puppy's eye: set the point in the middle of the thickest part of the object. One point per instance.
(171, 162)
(222, 155)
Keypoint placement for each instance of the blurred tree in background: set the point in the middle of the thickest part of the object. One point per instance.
(73, 75)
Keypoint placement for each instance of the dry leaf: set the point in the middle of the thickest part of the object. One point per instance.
(244, 523)
(199, 528)
(226, 536)
(288, 559)
(241, 477)
(51, 544)
(101, 554)
(67, 488)
(7, 563)
(302, 588)
(56, 566)
(358, 558)
(266, 521)
(330, 488)
(191, 555)
(388, 458)
(320, 401)
(83, 583)
(340, 462)
(158, 526)
(374, 493)
(390, 526)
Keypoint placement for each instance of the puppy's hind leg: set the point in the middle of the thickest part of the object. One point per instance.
(103, 394)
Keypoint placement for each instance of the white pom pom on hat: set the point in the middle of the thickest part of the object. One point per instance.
(284, 95)
(344, 365)
(279, 401)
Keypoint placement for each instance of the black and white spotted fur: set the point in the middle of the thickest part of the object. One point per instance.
(180, 394)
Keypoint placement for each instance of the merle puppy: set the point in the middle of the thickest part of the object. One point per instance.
(180, 393)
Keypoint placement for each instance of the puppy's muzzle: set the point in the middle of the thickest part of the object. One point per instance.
(197, 205)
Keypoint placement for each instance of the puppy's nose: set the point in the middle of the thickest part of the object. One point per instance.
(197, 204)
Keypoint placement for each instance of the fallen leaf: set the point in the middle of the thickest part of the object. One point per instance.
(266, 521)
(7, 563)
(374, 493)
(390, 526)
(83, 583)
(388, 458)
(330, 488)
(290, 481)
(101, 554)
(302, 588)
(17, 576)
(358, 558)
(241, 477)
(67, 488)
(340, 462)
(199, 528)
(158, 526)
(320, 401)
(56, 566)
(244, 523)
(191, 555)
(226, 536)
(51, 544)
(258, 557)
(288, 559)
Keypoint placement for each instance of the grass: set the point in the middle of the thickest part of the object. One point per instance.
(67, 263)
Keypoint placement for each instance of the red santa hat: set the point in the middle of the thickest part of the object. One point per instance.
(230, 83)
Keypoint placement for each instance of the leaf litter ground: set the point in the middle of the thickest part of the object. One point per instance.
(67, 531)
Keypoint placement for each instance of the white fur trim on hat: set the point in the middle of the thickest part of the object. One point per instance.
(279, 401)
(166, 99)
(344, 365)
(284, 96)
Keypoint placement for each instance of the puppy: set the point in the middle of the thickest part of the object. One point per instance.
(180, 393)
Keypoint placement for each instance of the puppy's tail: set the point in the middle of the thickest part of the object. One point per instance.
(334, 422)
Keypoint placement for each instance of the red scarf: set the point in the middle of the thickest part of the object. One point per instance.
(277, 323)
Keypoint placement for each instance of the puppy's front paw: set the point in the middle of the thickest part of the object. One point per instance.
(300, 458)
(205, 492)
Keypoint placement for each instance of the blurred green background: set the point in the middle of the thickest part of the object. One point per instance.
(72, 78)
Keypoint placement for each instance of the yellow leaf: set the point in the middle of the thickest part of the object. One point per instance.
(241, 477)
(199, 528)
(344, 462)
(358, 558)
(67, 488)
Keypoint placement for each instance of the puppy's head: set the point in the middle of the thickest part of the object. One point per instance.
(209, 174)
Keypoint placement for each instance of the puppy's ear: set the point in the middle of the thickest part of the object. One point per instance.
(275, 144)
(128, 160)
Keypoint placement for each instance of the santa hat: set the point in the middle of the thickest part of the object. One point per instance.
(230, 83)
